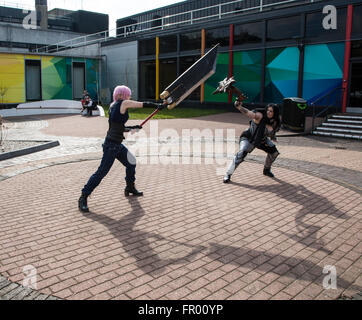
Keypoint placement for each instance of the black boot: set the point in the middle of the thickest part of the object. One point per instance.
(132, 189)
(267, 172)
(82, 203)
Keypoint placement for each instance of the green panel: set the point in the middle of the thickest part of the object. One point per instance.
(222, 71)
(281, 74)
(54, 78)
(92, 77)
(247, 73)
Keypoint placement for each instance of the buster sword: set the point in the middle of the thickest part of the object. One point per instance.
(227, 85)
(187, 82)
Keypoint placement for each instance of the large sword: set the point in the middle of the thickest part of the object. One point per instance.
(188, 81)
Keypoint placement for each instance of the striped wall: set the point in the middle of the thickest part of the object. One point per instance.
(56, 77)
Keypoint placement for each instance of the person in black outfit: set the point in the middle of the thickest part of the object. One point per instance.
(87, 103)
(113, 147)
(263, 126)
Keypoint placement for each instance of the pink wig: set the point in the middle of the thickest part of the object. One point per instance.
(123, 91)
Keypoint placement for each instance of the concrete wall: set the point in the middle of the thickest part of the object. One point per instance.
(119, 66)
(92, 50)
(16, 33)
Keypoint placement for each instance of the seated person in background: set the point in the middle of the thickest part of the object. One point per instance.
(87, 103)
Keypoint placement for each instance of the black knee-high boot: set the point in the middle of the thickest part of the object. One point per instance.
(130, 188)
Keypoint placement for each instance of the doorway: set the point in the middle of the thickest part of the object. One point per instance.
(33, 80)
(355, 88)
(78, 80)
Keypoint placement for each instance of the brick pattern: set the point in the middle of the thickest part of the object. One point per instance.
(189, 237)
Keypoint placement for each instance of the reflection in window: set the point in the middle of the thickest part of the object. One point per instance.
(191, 41)
(147, 47)
(168, 44)
(185, 63)
(357, 21)
(168, 72)
(217, 35)
(147, 76)
(284, 28)
(248, 33)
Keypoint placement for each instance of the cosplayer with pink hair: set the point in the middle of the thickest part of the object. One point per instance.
(113, 148)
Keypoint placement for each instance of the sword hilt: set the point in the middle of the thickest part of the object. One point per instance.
(239, 95)
(227, 86)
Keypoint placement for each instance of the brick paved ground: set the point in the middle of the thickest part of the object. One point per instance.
(190, 236)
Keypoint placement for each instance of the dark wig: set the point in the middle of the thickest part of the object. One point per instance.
(275, 121)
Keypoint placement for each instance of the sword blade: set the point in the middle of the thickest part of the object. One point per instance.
(195, 75)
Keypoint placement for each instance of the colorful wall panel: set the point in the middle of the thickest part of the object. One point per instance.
(92, 77)
(323, 70)
(281, 74)
(56, 76)
(12, 84)
(222, 71)
(247, 73)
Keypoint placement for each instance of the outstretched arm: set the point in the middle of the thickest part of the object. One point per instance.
(251, 115)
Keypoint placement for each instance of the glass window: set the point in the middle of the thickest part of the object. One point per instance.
(147, 77)
(283, 28)
(356, 49)
(185, 63)
(217, 35)
(191, 41)
(248, 33)
(357, 21)
(314, 25)
(168, 44)
(147, 47)
(168, 72)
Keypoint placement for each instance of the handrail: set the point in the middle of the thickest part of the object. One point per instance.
(327, 95)
(219, 11)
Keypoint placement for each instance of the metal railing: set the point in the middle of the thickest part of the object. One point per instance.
(15, 5)
(218, 11)
(337, 94)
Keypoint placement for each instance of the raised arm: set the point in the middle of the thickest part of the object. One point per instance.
(251, 115)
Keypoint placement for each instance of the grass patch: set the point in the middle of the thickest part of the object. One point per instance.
(176, 113)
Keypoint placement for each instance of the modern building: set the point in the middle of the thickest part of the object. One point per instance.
(273, 48)
(28, 76)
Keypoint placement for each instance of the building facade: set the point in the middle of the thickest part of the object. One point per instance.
(309, 49)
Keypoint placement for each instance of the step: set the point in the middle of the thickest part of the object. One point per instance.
(330, 120)
(341, 125)
(337, 135)
(346, 131)
(346, 117)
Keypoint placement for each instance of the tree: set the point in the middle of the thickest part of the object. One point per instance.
(3, 91)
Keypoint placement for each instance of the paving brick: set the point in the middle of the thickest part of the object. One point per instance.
(117, 244)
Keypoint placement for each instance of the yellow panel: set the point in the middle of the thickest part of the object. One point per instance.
(31, 57)
(12, 78)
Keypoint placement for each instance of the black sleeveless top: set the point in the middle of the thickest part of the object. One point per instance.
(116, 123)
(256, 132)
